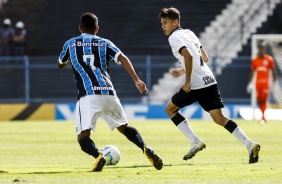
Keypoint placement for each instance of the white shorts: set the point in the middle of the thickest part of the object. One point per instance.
(89, 108)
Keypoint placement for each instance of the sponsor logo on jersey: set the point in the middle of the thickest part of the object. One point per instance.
(87, 44)
(262, 68)
(208, 79)
(95, 88)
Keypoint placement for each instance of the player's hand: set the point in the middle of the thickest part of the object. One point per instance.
(141, 86)
(177, 72)
(186, 87)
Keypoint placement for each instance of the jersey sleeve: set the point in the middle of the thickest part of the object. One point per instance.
(176, 43)
(65, 54)
(253, 64)
(271, 62)
(113, 51)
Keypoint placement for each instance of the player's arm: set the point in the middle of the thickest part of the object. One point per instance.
(64, 58)
(125, 62)
(177, 72)
(273, 74)
(272, 66)
(251, 75)
(204, 54)
(62, 65)
(188, 68)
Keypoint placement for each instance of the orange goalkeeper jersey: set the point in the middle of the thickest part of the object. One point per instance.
(262, 66)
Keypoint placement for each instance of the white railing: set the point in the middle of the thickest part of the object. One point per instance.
(238, 29)
(276, 87)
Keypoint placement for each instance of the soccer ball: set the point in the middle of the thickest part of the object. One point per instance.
(111, 154)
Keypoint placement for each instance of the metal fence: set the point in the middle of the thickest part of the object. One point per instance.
(37, 78)
(32, 79)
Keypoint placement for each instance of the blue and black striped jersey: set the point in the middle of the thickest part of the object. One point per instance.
(89, 56)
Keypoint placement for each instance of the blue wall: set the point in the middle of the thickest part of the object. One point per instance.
(144, 111)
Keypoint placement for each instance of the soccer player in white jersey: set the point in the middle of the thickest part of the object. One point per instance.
(200, 85)
(89, 56)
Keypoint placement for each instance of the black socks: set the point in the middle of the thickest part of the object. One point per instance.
(88, 146)
(133, 135)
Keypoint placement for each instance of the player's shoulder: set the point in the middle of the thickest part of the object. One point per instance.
(268, 57)
(175, 35)
(255, 59)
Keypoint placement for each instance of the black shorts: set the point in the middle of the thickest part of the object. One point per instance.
(209, 98)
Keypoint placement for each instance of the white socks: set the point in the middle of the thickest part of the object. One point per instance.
(187, 131)
(238, 133)
(241, 136)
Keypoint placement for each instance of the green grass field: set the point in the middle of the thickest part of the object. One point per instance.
(47, 152)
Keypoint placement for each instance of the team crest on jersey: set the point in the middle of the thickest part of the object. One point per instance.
(265, 62)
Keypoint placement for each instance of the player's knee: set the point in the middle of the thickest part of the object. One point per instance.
(171, 110)
(220, 119)
(167, 109)
(122, 128)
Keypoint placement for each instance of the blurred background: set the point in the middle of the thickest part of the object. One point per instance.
(39, 28)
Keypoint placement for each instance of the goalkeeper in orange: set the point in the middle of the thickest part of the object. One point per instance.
(262, 65)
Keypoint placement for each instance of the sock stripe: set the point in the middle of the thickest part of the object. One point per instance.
(177, 119)
(230, 126)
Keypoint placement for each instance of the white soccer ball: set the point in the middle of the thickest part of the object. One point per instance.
(111, 154)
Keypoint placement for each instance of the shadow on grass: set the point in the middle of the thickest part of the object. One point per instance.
(50, 172)
(144, 166)
(113, 167)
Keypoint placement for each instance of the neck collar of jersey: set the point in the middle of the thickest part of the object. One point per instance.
(86, 34)
(175, 30)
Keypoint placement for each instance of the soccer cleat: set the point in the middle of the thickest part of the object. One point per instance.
(154, 158)
(254, 153)
(99, 164)
(195, 148)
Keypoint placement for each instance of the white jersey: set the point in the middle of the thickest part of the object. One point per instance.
(201, 76)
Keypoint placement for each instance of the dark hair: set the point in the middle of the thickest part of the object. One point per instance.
(88, 22)
(262, 44)
(170, 13)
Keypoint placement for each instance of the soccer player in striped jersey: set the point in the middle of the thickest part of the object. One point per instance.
(200, 85)
(89, 56)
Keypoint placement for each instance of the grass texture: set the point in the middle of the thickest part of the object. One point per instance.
(47, 152)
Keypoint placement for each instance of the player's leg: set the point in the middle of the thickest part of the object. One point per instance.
(259, 92)
(235, 130)
(211, 102)
(86, 143)
(181, 99)
(262, 95)
(134, 136)
(88, 146)
(262, 106)
(180, 122)
(84, 123)
(116, 118)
